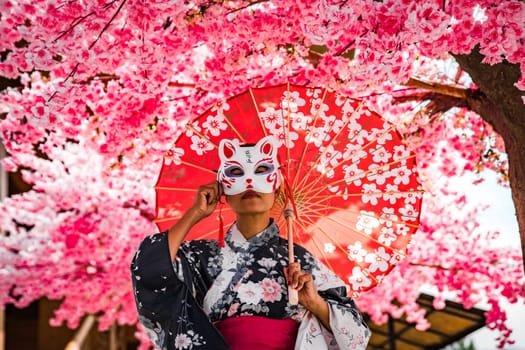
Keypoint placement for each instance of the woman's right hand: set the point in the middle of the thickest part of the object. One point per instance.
(206, 200)
(205, 203)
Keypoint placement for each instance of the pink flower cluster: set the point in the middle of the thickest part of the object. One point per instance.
(451, 257)
(73, 235)
(106, 88)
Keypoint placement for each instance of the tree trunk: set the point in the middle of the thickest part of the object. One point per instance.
(500, 104)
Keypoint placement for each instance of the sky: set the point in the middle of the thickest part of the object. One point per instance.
(501, 216)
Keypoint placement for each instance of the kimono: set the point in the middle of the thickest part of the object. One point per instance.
(178, 302)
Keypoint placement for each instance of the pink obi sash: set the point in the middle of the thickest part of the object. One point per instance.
(258, 332)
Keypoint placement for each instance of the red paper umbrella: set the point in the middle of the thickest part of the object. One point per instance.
(352, 182)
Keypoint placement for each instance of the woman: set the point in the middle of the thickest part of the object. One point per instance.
(203, 295)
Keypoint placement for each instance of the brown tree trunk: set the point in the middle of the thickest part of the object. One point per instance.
(500, 104)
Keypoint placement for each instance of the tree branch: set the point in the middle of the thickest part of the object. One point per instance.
(106, 26)
(442, 89)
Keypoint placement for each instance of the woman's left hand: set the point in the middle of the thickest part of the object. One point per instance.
(303, 282)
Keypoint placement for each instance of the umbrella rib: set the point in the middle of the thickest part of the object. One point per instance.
(258, 112)
(197, 167)
(325, 258)
(367, 193)
(234, 129)
(182, 189)
(318, 158)
(363, 270)
(320, 215)
(310, 190)
(330, 237)
(336, 243)
(312, 209)
(287, 145)
(165, 219)
(316, 163)
(299, 223)
(360, 234)
(189, 126)
(325, 91)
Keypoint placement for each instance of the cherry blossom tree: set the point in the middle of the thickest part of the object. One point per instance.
(94, 93)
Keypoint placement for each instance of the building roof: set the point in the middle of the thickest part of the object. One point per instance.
(447, 326)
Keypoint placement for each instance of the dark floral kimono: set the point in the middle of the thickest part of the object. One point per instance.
(179, 302)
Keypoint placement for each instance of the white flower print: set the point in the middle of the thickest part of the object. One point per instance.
(214, 124)
(292, 100)
(354, 152)
(200, 145)
(387, 236)
(384, 138)
(408, 213)
(378, 260)
(329, 248)
(340, 99)
(370, 194)
(391, 194)
(272, 118)
(374, 133)
(412, 197)
(353, 174)
(314, 93)
(300, 121)
(250, 293)
(285, 137)
(318, 107)
(267, 263)
(400, 152)
(191, 128)
(330, 155)
(221, 106)
(332, 124)
(378, 174)
(402, 229)
(354, 124)
(358, 279)
(173, 156)
(367, 222)
(317, 136)
(356, 134)
(363, 112)
(402, 175)
(182, 341)
(395, 258)
(349, 108)
(388, 216)
(381, 155)
(337, 190)
(360, 137)
(325, 170)
(356, 252)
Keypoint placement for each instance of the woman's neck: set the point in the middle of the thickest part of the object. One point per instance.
(251, 225)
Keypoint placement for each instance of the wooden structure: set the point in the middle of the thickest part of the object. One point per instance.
(448, 326)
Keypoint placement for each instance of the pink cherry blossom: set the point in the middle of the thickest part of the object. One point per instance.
(102, 93)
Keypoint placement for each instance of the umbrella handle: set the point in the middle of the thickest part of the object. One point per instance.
(293, 296)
